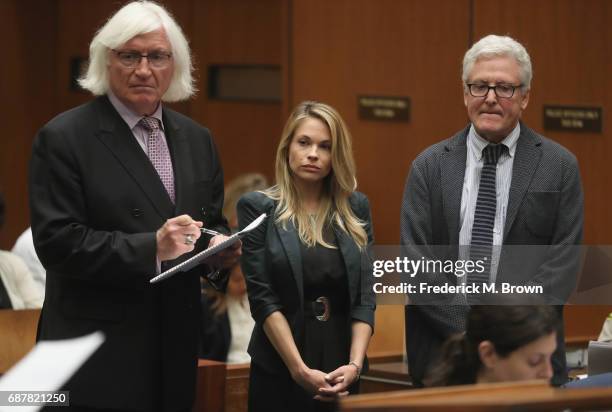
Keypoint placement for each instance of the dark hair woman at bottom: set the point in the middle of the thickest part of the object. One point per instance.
(501, 343)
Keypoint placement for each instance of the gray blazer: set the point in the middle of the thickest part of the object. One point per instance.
(545, 207)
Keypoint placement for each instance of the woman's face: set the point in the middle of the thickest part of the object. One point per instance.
(531, 361)
(310, 152)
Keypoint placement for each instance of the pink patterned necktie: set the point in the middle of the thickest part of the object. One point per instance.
(158, 153)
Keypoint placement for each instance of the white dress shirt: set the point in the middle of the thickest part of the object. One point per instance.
(471, 183)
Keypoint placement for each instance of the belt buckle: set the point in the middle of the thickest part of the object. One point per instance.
(325, 301)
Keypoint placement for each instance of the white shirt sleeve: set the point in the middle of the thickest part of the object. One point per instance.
(23, 291)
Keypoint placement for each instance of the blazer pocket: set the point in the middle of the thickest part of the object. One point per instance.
(93, 309)
(541, 212)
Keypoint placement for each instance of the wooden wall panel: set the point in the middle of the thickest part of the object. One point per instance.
(583, 323)
(388, 330)
(246, 33)
(239, 31)
(26, 91)
(18, 331)
(345, 48)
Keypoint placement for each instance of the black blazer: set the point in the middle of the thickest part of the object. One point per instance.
(272, 265)
(96, 203)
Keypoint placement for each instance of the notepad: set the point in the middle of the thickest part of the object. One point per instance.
(197, 259)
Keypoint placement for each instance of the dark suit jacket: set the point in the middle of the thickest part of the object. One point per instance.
(96, 203)
(545, 207)
(272, 265)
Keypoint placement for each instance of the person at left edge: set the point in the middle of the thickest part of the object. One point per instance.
(114, 200)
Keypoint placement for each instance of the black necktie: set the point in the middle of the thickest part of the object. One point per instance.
(481, 245)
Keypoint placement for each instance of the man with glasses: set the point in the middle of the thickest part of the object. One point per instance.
(496, 182)
(120, 188)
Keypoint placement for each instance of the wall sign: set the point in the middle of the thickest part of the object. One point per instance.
(573, 118)
(384, 108)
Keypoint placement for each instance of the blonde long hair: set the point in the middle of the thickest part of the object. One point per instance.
(337, 186)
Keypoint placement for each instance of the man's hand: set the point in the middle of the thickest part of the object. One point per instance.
(177, 236)
(227, 257)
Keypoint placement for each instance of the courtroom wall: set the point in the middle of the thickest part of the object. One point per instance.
(333, 51)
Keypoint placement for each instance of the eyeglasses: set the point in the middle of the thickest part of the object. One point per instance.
(505, 91)
(131, 59)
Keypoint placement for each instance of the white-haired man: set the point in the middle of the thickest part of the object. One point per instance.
(119, 190)
(494, 183)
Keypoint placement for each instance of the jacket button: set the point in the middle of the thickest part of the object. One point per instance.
(137, 212)
(203, 212)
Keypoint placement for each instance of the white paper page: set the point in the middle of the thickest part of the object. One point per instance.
(197, 259)
(48, 366)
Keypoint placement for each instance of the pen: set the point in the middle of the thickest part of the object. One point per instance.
(209, 231)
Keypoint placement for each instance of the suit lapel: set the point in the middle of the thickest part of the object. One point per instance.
(352, 260)
(452, 171)
(291, 243)
(181, 162)
(526, 159)
(118, 138)
(350, 254)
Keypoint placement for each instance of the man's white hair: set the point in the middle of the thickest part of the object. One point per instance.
(134, 19)
(493, 46)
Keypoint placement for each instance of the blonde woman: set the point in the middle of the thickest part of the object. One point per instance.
(307, 269)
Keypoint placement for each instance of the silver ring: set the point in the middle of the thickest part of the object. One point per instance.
(189, 239)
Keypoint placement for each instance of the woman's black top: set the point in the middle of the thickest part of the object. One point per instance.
(326, 343)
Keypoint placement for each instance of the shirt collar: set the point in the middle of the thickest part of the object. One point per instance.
(129, 116)
(477, 143)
